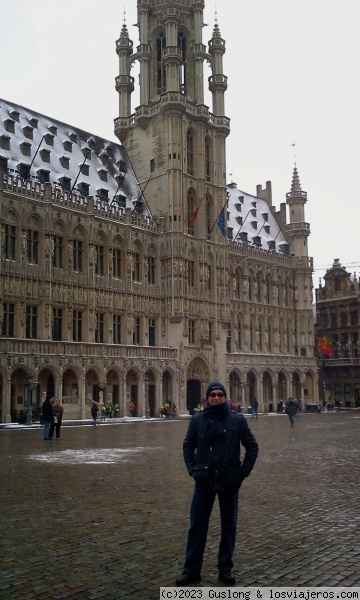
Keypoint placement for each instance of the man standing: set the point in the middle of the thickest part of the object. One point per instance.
(47, 415)
(211, 451)
(291, 411)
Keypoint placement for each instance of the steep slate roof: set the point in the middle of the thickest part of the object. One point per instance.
(252, 221)
(68, 147)
(249, 217)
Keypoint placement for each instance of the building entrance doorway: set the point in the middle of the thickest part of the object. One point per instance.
(193, 394)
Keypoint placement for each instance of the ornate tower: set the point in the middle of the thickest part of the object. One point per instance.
(297, 230)
(175, 144)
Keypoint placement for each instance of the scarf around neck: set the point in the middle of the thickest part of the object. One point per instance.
(214, 416)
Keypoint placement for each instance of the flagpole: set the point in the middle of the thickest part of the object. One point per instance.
(284, 223)
(242, 224)
(227, 200)
(196, 210)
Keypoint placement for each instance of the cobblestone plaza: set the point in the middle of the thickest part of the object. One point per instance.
(103, 513)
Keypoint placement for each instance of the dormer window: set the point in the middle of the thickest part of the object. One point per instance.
(238, 207)
(5, 142)
(120, 178)
(84, 169)
(284, 248)
(65, 183)
(241, 199)
(254, 224)
(257, 241)
(102, 174)
(45, 155)
(9, 125)
(33, 122)
(53, 129)
(43, 175)
(267, 228)
(83, 188)
(65, 162)
(253, 212)
(73, 137)
(91, 142)
(104, 158)
(253, 203)
(271, 245)
(49, 139)
(103, 194)
(25, 148)
(243, 236)
(24, 170)
(120, 201)
(28, 132)
(265, 216)
(3, 164)
(67, 145)
(239, 220)
(86, 152)
(14, 114)
(122, 166)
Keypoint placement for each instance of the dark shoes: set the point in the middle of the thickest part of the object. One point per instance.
(227, 576)
(187, 578)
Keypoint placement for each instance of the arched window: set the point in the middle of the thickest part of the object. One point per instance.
(208, 215)
(337, 283)
(191, 212)
(207, 159)
(161, 72)
(190, 152)
(182, 69)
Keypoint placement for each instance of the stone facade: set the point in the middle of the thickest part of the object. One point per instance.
(337, 316)
(149, 297)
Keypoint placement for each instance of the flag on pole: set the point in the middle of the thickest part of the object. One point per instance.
(195, 213)
(221, 223)
(324, 344)
(193, 216)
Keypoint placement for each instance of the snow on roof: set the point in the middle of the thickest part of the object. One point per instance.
(98, 167)
(252, 222)
(49, 139)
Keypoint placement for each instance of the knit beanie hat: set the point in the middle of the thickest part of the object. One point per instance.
(215, 385)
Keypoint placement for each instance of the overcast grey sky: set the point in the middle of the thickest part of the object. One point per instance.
(292, 69)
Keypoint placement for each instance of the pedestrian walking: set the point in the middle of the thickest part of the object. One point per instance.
(56, 422)
(94, 412)
(291, 410)
(47, 415)
(103, 412)
(297, 406)
(254, 408)
(211, 450)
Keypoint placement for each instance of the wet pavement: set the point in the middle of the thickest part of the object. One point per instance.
(103, 512)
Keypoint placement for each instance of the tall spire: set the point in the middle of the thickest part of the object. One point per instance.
(295, 186)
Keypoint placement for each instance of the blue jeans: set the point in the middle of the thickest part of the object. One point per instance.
(201, 507)
(291, 419)
(46, 429)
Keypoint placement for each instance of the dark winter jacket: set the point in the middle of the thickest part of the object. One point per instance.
(46, 409)
(218, 465)
(291, 408)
